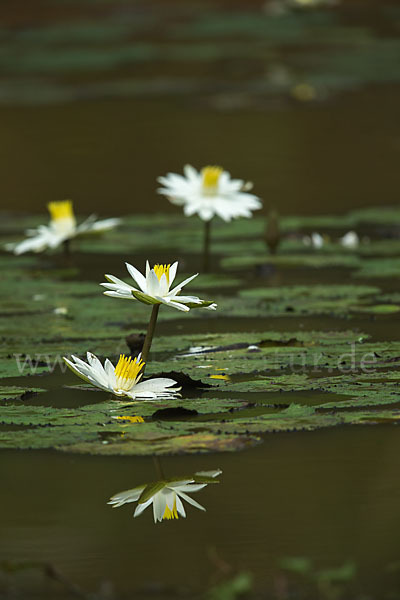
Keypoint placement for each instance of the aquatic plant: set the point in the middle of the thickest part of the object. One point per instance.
(210, 192)
(166, 495)
(124, 379)
(61, 228)
(315, 240)
(155, 289)
(350, 240)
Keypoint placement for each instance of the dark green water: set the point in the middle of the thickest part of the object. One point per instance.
(106, 155)
(330, 495)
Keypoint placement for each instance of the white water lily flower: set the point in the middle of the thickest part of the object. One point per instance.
(62, 227)
(315, 240)
(208, 193)
(122, 380)
(166, 496)
(155, 288)
(350, 240)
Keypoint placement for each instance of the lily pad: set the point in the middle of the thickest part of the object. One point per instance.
(18, 393)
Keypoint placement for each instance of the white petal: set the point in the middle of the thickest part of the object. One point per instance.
(137, 276)
(175, 290)
(190, 500)
(110, 373)
(159, 505)
(177, 305)
(179, 507)
(206, 213)
(213, 473)
(98, 226)
(163, 286)
(191, 173)
(117, 281)
(155, 385)
(153, 285)
(141, 507)
(126, 496)
(118, 294)
(172, 272)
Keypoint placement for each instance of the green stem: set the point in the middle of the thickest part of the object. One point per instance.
(149, 335)
(206, 246)
(158, 466)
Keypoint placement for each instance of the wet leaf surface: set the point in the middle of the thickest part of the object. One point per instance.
(237, 384)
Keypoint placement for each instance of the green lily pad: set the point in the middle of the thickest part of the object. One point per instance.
(18, 393)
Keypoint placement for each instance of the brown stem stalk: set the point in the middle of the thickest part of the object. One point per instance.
(206, 246)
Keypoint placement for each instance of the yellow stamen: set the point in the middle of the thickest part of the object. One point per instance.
(211, 177)
(133, 419)
(61, 210)
(171, 514)
(160, 270)
(128, 368)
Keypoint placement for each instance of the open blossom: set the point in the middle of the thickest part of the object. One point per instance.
(166, 496)
(124, 379)
(155, 288)
(208, 193)
(62, 227)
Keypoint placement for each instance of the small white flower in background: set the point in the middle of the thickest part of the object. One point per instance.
(62, 227)
(350, 240)
(124, 379)
(166, 496)
(277, 8)
(155, 288)
(208, 193)
(311, 3)
(61, 310)
(315, 240)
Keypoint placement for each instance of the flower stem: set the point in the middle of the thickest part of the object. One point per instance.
(67, 248)
(206, 246)
(158, 466)
(149, 335)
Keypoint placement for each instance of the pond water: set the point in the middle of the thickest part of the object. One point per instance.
(330, 496)
(144, 95)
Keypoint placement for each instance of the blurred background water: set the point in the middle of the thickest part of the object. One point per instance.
(98, 98)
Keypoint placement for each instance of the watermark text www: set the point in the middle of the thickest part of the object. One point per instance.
(28, 364)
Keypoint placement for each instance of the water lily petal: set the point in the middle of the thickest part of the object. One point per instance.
(137, 276)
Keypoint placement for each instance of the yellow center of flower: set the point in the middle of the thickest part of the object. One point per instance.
(61, 210)
(127, 371)
(160, 270)
(171, 514)
(211, 177)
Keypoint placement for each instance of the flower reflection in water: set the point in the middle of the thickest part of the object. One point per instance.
(166, 495)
